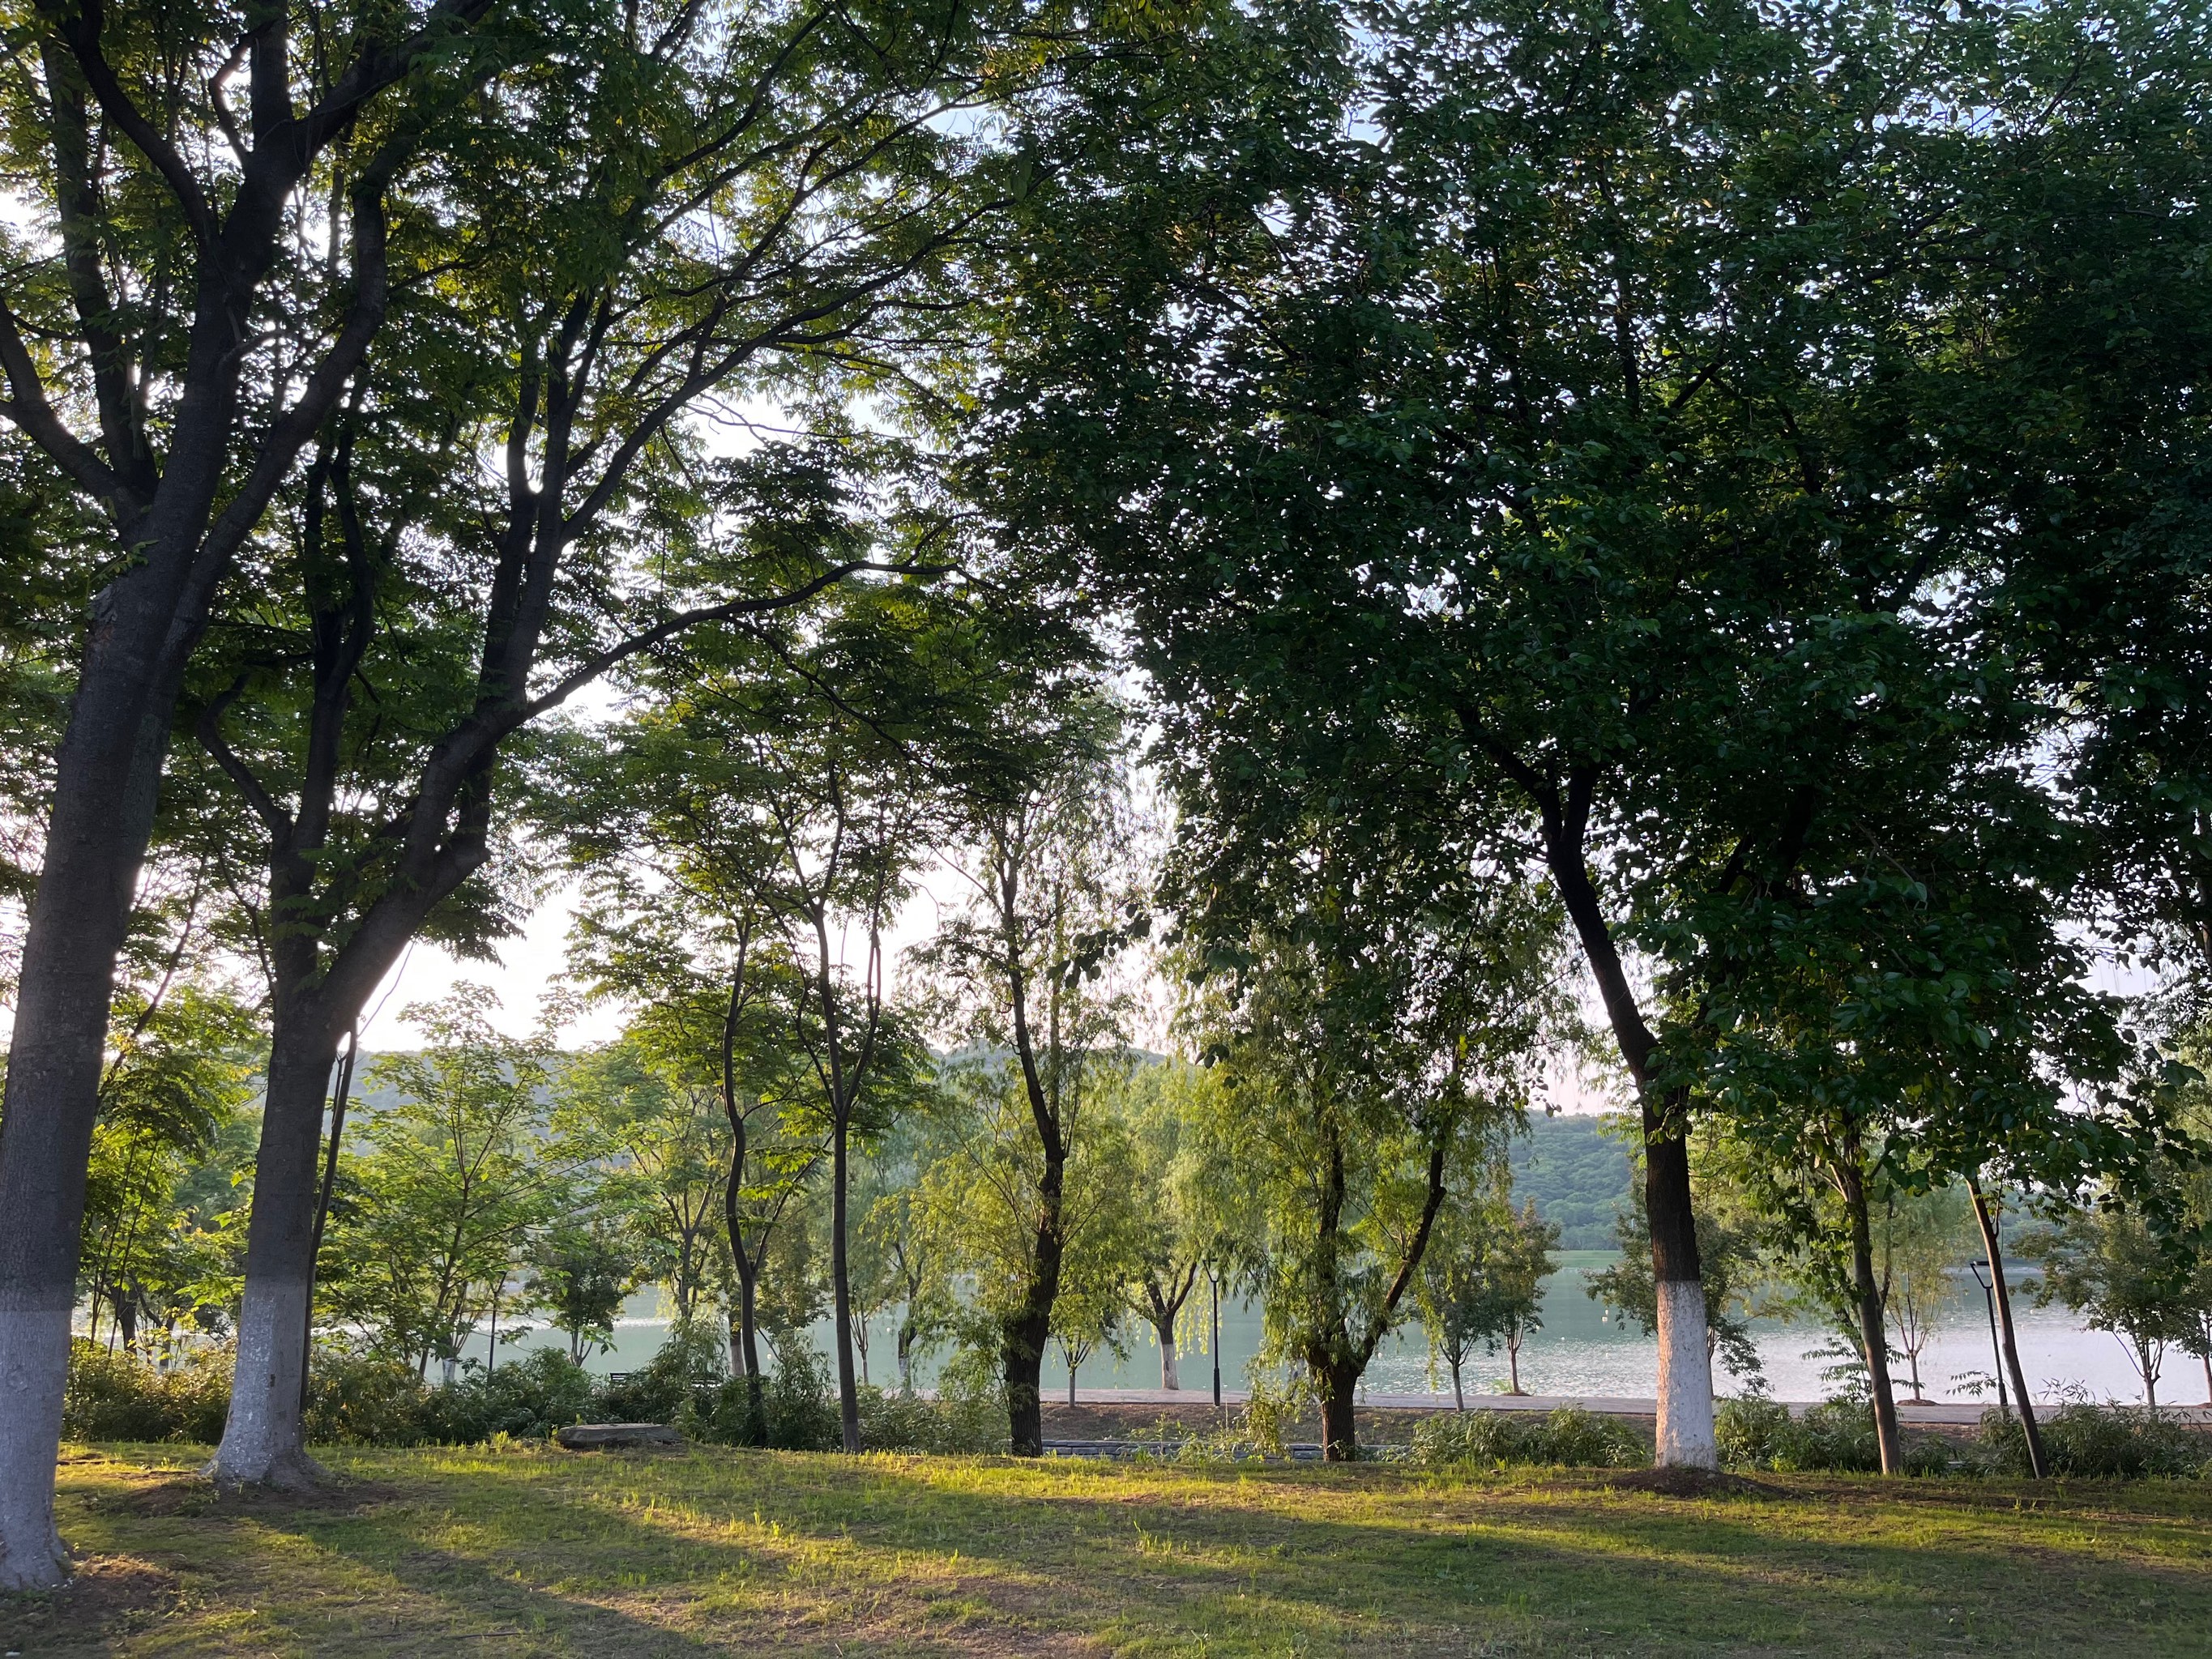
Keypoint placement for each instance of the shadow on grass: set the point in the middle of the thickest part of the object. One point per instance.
(714, 1549)
(1124, 1551)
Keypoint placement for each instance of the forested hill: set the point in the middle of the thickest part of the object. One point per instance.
(1577, 1173)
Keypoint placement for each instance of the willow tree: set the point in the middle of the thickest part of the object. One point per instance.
(1378, 1015)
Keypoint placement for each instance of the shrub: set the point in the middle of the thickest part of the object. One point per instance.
(359, 1398)
(1838, 1436)
(1762, 1434)
(120, 1396)
(2093, 1442)
(1752, 1433)
(797, 1409)
(1568, 1436)
(528, 1398)
(688, 1371)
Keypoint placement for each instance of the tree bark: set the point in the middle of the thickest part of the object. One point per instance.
(1513, 1360)
(1339, 1437)
(1685, 1437)
(263, 1441)
(1874, 1333)
(1021, 1342)
(1459, 1393)
(106, 773)
(2037, 1464)
(840, 1286)
(1171, 1375)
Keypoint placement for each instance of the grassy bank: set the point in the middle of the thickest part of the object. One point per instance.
(491, 1553)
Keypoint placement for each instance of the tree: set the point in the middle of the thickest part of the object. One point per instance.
(1562, 424)
(900, 1265)
(171, 341)
(2115, 1273)
(1482, 1281)
(581, 1271)
(452, 1180)
(658, 1123)
(706, 206)
(1377, 1037)
(170, 1099)
(1921, 1239)
(1179, 1230)
(1048, 869)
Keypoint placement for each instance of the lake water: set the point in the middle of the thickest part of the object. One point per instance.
(1580, 1352)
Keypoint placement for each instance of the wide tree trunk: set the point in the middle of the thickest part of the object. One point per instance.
(1686, 1436)
(2037, 1464)
(106, 772)
(1874, 1330)
(263, 1441)
(1170, 1376)
(1336, 1382)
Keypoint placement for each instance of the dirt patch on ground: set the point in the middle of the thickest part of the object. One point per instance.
(109, 1595)
(172, 1492)
(1675, 1482)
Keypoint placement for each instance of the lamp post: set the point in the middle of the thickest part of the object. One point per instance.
(1214, 1283)
(1981, 1272)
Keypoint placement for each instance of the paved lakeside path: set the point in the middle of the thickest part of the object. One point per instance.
(1935, 1414)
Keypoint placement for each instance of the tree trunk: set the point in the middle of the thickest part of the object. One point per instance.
(2036, 1462)
(1071, 1382)
(1685, 1437)
(906, 1357)
(1022, 1342)
(1685, 1374)
(263, 1442)
(2146, 1362)
(745, 1339)
(1337, 1382)
(1913, 1361)
(105, 775)
(1513, 1360)
(841, 1287)
(1459, 1393)
(2206, 1356)
(1170, 1377)
(1873, 1334)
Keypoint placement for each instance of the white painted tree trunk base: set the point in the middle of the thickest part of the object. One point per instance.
(262, 1440)
(1170, 1376)
(33, 1371)
(1686, 1380)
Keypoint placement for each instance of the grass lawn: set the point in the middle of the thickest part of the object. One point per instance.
(484, 1552)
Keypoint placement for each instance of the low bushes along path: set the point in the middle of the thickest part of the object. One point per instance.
(482, 1551)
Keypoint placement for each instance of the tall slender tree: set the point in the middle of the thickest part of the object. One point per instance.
(701, 205)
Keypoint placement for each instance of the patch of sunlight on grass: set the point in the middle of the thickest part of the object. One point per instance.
(545, 1553)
